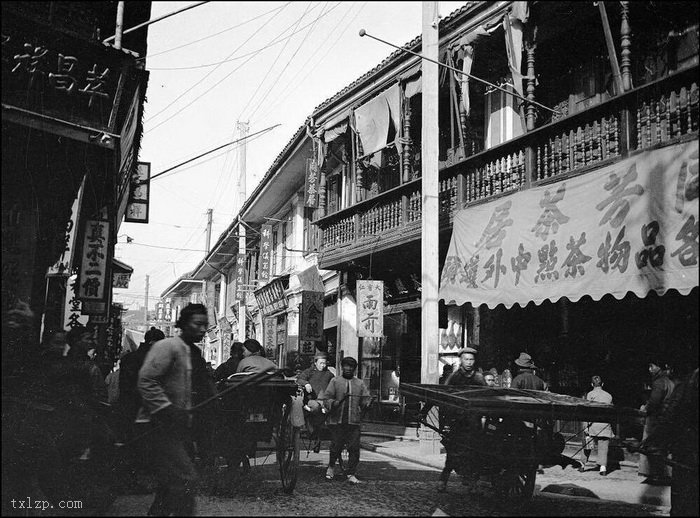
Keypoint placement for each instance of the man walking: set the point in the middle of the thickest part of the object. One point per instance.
(165, 385)
(346, 396)
(597, 434)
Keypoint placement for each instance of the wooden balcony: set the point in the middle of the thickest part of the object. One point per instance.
(653, 115)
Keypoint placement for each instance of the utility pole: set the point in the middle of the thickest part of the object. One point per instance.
(210, 212)
(145, 309)
(241, 184)
(429, 219)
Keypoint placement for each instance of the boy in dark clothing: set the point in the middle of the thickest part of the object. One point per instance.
(314, 381)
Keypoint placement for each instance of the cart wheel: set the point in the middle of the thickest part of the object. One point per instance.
(288, 445)
(517, 484)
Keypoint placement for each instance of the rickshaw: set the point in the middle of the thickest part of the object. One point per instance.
(504, 434)
(258, 413)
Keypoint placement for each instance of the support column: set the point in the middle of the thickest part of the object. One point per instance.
(625, 46)
(429, 220)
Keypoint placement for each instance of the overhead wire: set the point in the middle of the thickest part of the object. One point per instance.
(269, 68)
(286, 65)
(284, 94)
(213, 35)
(212, 71)
(267, 46)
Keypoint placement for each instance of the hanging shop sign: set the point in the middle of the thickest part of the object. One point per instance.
(265, 253)
(370, 309)
(138, 202)
(271, 338)
(628, 227)
(239, 286)
(121, 280)
(311, 184)
(271, 297)
(64, 263)
(73, 315)
(93, 268)
(311, 316)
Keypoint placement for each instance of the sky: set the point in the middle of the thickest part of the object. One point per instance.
(264, 63)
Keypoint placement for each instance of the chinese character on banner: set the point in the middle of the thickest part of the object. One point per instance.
(370, 309)
(311, 316)
(311, 185)
(93, 269)
(265, 253)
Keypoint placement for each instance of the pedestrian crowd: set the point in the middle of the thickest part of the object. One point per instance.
(152, 393)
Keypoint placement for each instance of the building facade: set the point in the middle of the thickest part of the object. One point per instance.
(71, 117)
(582, 107)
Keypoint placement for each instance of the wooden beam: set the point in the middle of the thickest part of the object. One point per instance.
(612, 55)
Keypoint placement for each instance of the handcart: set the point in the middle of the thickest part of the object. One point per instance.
(502, 435)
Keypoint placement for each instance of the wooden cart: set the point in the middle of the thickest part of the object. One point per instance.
(502, 435)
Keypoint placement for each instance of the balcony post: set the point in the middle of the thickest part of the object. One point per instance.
(625, 47)
(531, 113)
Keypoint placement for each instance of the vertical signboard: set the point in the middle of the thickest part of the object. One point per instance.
(63, 265)
(311, 184)
(271, 338)
(370, 309)
(139, 194)
(311, 316)
(265, 254)
(240, 277)
(93, 268)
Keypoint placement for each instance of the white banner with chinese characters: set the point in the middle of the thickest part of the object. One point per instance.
(628, 227)
(370, 309)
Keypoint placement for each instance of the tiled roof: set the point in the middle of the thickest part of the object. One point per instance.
(411, 45)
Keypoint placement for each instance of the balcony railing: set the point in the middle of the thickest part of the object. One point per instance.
(655, 114)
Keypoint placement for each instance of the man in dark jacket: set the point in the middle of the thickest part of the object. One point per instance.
(466, 375)
(526, 378)
(314, 381)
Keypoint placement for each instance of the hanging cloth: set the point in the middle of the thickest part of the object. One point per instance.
(513, 25)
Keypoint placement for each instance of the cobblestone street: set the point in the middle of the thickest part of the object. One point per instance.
(389, 487)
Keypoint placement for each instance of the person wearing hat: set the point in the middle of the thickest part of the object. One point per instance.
(597, 434)
(526, 378)
(314, 381)
(253, 360)
(345, 398)
(466, 375)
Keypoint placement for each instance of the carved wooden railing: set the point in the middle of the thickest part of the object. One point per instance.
(655, 114)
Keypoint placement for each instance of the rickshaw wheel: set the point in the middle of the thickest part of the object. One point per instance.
(517, 484)
(288, 446)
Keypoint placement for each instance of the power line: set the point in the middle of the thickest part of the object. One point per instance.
(271, 44)
(215, 34)
(269, 69)
(211, 72)
(211, 151)
(297, 84)
(287, 65)
(172, 248)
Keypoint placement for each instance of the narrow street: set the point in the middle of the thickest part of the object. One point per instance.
(389, 487)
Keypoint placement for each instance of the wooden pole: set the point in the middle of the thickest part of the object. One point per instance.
(429, 220)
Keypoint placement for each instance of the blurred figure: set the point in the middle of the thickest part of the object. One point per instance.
(653, 466)
(526, 378)
(229, 367)
(447, 369)
(677, 430)
(597, 434)
(253, 361)
(490, 378)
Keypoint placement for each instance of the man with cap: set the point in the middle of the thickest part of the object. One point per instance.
(346, 396)
(253, 360)
(466, 375)
(526, 378)
(314, 381)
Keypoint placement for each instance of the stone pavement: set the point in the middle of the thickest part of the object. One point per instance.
(622, 484)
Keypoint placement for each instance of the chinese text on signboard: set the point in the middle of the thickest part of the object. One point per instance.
(370, 308)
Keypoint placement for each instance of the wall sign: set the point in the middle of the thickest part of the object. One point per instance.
(265, 254)
(370, 309)
(311, 184)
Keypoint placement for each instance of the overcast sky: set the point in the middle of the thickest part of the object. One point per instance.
(264, 63)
